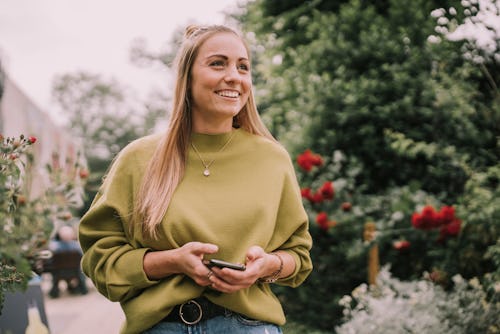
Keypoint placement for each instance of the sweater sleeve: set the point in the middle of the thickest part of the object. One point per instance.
(293, 227)
(113, 263)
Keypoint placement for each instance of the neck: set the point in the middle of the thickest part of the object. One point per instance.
(214, 127)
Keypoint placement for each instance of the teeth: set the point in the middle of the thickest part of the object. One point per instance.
(228, 93)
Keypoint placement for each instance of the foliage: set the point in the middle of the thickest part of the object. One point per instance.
(401, 123)
(25, 222)
(350, 77)
(103, 115)
(415, 232)
(394, 306)
(11, 169)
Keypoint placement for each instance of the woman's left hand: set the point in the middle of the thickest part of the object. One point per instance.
(230, 280)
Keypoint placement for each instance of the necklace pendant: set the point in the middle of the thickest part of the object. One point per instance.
(206, 172)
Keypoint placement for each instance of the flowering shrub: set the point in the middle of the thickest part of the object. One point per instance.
(337, 215)
(25, 222)
(419, 306)
(444, 220)
(16, 241)
(415, 233)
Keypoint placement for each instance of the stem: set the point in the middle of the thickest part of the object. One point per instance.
(490, 79)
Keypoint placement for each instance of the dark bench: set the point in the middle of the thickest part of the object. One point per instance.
(66, 266)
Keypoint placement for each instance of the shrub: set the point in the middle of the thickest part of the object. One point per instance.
(26, 222)
(394, 306)
(415, 232)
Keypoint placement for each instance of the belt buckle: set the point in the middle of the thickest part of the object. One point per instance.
(181, 314)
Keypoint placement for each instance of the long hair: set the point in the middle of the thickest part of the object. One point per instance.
(166, 168)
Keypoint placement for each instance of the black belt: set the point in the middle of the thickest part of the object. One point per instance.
(194, 311)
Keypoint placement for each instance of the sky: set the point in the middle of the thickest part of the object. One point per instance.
(40, 39)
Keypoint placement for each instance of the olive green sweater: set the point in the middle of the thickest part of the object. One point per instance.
(250, 198)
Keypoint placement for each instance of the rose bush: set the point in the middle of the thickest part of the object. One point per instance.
(416, 233)
(26, 222)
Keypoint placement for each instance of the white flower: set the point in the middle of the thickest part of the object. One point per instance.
(443, 20)
(277, 59)
(438, 12)
(433, 39)
(397, 216)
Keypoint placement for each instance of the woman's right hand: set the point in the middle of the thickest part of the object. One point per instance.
(184, 260)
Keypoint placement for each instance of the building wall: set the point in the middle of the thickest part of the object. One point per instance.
(54, 146)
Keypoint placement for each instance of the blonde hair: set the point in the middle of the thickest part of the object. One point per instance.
(166, 168)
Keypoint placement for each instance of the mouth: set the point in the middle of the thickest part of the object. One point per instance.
(228, 93)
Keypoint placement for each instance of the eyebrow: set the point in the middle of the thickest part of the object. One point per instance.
(225, 57)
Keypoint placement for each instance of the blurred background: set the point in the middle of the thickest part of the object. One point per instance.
(390, 111)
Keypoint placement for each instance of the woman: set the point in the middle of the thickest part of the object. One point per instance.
(215, 185)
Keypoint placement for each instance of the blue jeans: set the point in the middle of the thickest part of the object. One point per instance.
(232, 323)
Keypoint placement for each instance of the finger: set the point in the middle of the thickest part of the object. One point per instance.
(254, 252)
(199, 248)
(230, 279)
(225, 287)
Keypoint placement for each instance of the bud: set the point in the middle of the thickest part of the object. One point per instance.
(66, 215)
(84, 173)
(346, 206)
(21, 200)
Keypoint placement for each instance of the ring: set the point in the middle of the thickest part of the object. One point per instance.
(210, 273)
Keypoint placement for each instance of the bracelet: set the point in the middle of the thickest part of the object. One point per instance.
(275, 275)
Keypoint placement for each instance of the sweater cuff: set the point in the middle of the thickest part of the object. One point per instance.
(135, 274)
(298, 275)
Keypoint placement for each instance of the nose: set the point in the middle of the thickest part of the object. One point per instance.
(232, 75)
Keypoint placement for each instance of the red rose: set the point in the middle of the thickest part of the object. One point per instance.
(317, 197)
(306, 193)
(446, 215)
(416, 220)
(454, 227)
(322, 220)
(430, 217)
(32, 140)
(317, 160)
(327, 190)
(307, 160)
(427, 219)
(304, 160)
(450, 230)
(401, 245)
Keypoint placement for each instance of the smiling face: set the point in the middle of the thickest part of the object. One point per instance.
(220, 82)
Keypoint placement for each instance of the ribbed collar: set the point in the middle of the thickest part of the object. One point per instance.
(212, 142)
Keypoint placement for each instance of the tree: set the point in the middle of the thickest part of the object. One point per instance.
(101, 113)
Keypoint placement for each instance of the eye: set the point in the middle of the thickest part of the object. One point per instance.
(217, 63)
(244, 67)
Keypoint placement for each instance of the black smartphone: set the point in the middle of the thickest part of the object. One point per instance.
(224, 264)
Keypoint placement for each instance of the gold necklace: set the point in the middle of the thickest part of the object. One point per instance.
(206, 172)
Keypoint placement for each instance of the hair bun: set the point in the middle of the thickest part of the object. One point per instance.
(192, 30)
